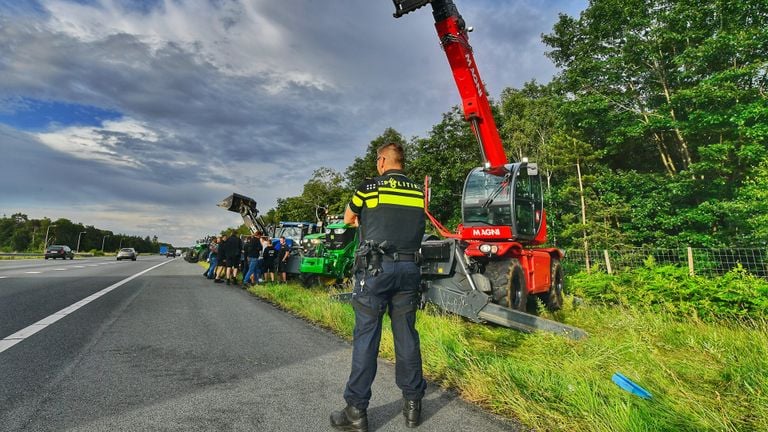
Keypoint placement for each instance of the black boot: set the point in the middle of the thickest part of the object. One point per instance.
(350, 419)
(412, 412)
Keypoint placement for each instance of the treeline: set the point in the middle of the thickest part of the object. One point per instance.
(18, 233)
(654, 133)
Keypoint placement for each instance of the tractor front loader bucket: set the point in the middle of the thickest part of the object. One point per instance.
(237, 203)
(246, 207)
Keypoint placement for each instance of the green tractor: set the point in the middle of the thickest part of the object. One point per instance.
(329, 257)
(198, 252)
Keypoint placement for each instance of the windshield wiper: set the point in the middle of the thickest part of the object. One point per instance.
(504, 182)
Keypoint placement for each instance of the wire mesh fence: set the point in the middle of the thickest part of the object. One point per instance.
(703, 262)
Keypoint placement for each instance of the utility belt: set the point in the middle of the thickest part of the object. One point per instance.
(370, 255)
(401, 257)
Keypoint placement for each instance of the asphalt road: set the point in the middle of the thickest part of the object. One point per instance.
(169, 350)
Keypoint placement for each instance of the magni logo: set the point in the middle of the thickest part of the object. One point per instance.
(486, 232)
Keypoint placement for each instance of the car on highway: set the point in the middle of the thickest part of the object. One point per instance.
(171, 253)
(127, 253)
(59, 251)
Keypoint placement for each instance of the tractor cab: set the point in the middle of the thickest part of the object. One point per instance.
(294, 232)
(339, 235)
(503, 207)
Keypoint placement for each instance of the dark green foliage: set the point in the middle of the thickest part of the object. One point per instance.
(671, 96)
(323, 194)
(18, 233)
(365, 166)
(736, 294)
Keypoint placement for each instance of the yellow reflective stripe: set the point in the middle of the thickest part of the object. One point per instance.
(366, 195)
(357, 201)
(401, 200)
(371, 203)
(403, 191)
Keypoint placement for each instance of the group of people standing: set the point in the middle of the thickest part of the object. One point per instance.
(255, 256)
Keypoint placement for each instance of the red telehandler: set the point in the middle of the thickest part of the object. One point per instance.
(487, 270)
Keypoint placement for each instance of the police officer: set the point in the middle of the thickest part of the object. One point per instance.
(389, 210)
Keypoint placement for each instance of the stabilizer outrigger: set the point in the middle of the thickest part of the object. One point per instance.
(453, 288)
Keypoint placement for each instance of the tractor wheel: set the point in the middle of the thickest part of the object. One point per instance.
(192, 256)
(309, 280)
(553, 298)
(508, 284)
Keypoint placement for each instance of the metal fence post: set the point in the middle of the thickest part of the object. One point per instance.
(607, 262)
(690, 262)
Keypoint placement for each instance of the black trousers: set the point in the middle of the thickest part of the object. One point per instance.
(396, 291)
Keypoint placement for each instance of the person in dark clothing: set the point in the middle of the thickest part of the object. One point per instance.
(221, 265)
(232, 249)
(270, 262)
(283, 254)
(390, 212)
(252, 249)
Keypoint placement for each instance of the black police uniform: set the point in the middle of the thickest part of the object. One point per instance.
(390, 208)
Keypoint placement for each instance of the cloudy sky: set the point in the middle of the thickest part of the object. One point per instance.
(139, 116)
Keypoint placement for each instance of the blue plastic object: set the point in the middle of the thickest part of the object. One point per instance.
(628, 385)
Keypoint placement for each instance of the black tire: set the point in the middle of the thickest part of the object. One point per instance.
(133, 259)
(508, 284)
(553, 299)
(309, 280)
(71, 258)
(46, 257)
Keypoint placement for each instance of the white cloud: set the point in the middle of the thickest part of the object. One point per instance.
(101, 144)
(234, 36)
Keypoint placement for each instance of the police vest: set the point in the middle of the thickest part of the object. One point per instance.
(391, 208)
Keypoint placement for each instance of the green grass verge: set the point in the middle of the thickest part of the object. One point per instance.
(704, 376)
(10, 258)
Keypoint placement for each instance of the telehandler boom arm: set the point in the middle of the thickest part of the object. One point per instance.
(454, 38)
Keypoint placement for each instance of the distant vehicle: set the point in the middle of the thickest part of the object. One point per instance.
(59, 251)
(178, 252)
(170, 253)
(126, 253)
(163, 250)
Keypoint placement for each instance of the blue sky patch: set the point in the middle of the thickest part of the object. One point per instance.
(36, 115)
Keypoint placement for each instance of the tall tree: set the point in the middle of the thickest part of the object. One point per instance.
(636, 62)
(365, 166)
(323, 194)
(447, 155)
(529, 120)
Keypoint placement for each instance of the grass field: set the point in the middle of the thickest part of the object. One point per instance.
(703, 377)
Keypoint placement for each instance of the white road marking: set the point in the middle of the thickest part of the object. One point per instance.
(3, 277)
(28, 331)
(60, 269)
(78, 266)
(32, 272)
(93, 265)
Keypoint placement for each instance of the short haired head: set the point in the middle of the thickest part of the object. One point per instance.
(390, 156)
